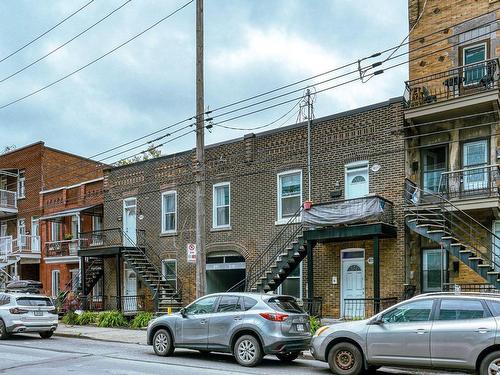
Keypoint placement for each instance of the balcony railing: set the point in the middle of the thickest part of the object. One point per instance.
(362, 308)
(62, 248)
(471, 182)
(110, 238)
(125, 304)
(26, 244)
(5, 247)
(8, 200)
(368, 209)
(470, 288)
(458, 82)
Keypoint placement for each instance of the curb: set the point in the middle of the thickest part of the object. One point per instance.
(82, 336)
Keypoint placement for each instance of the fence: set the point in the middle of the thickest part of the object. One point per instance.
(362, 308)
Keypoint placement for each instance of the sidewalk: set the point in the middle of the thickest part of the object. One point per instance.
(123, 335)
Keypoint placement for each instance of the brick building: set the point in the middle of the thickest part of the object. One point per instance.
(24, 173)
(255, 187)
(451, 127)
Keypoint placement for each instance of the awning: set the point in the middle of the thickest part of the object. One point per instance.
(59, 214)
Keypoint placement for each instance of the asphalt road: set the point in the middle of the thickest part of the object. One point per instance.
(28, 354)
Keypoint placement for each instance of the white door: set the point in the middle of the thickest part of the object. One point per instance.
(475, 160)
(129, 222)
(353, 284)
(35, 235)
(129, 303)
(356, 180)
(21, 234)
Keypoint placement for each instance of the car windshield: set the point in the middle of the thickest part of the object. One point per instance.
(34, 301)
(285, 304)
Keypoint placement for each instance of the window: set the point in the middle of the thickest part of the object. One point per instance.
(247, 303)
(96, 223)
(289, 194)
(21, 185)
(55, 231)
(495, 307)
(418, 311)
(202, 306)
(169, 212)
(495, 246)
(74, 226)
(285, 304)
(434, 161)
(34, 301)
(458, 309)
(4, 300)
(356, 180)
(474, 55)
(169, 268)
(75, 279)
(222, 205)
(434, 269)
(292, 286)
(55, 283)
(475, 160)
(21, 232)
(228, 304)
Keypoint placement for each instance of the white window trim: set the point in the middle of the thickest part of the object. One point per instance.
(23, 179)
(175, 270)
(470, 47)
(301, 280)
(171, 231)
(214, 207)
(280, 220)
(52, 284)
(357, 165)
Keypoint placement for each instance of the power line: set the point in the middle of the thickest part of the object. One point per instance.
(46, 32)
(65, 43)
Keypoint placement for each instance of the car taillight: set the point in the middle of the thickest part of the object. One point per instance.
(53, 311)
(17, 310)
(275, 317)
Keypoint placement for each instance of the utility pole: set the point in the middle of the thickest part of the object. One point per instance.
(200, 156)
(309, 124)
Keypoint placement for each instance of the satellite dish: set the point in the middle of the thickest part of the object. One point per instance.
(375, 167)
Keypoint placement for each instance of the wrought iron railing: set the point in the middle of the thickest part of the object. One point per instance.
(362, 308)
(313, 306)
(62, 248)
(470, 182)
(453, 83)
(112, 237)
(470, 288)
(8, 200)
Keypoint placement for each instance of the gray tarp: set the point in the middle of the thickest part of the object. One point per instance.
(345, 212)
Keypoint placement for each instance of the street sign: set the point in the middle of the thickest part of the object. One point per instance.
(191, 253)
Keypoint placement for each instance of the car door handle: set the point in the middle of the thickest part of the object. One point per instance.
(420, 331)
(483, 330)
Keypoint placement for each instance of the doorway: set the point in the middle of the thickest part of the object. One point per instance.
(352, 283)
(129, 303)
(224, 270)
(129, 222)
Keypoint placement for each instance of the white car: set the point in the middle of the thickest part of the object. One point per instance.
(22, 312)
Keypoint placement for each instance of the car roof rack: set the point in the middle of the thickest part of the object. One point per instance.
(24, 286)
(459, 293)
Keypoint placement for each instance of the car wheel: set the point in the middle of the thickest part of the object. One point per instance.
(46, 334)
(3, 331)
(345, 359)
(247, 351)
(162, 343)
(490, 364)
(288, 357)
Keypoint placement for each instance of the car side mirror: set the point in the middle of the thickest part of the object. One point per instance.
(183, 312)
(378, 321)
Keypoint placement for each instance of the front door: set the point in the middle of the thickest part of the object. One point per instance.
(129, 222)
(475, 161)
(403, 336)
(35, 233)
(353, 283)
(194, 324)
(129, 303)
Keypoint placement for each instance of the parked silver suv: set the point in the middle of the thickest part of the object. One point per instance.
(23, 312)
(441, 330)
(249, 325)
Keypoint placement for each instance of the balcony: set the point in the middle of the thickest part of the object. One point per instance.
(23, 246)
(108, 240)
(8, 203)
(459, 91)
(477, 185)
(65, 248)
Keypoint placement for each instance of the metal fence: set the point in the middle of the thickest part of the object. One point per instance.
(313, 306)
(470, 288)
(362, 308)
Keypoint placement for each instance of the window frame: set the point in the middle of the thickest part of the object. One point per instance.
(486, 308)
(215, 207)
(21, 184)
(300, 277)
(52, 284)
(357, 165)
(423, 171)
(163, 213)
(280, 218)
(215, 305)
(444, 269)
(484, 43)
(53, 225)
(432, 314)
(164, 261)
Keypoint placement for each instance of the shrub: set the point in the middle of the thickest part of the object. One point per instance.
(314, 324)
(87, 317)
(141, 320)
(111, 319)
(71, 318)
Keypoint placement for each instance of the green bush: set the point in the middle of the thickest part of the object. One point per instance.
(111, 319)
(71, 318)
(314, 324)
(141, 320)
(87, 317)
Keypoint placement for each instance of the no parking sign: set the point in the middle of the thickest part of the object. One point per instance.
(191, 253)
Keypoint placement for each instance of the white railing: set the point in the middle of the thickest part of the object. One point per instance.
(26, 244)
(8, 199)
(62, 248)
(5, 247)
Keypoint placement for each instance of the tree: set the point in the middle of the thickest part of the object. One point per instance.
(152, 152)
(8, 149)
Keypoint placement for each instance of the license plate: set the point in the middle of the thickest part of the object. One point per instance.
(38, 313)
(300, 328)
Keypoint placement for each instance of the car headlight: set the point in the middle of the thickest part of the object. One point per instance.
(320, 330)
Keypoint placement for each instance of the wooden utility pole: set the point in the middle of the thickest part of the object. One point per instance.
(200, 157)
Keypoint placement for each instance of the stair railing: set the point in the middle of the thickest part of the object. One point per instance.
(283, 239)
(452, 223)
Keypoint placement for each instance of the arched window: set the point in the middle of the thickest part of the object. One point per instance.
(354, 268)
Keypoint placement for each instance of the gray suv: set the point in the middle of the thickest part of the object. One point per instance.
(248, 325)
(441, 331)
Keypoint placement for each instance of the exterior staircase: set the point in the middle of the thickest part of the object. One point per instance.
(166, 293)
(279, 259)
(94, 270)
(433, 216)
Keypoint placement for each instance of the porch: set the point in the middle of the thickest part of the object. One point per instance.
(9, 181)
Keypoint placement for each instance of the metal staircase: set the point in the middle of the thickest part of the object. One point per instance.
(93, 273)
(433, 216)
(278, 260)
(144, 261)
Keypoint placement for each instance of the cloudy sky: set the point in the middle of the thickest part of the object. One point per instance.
(251, 46)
